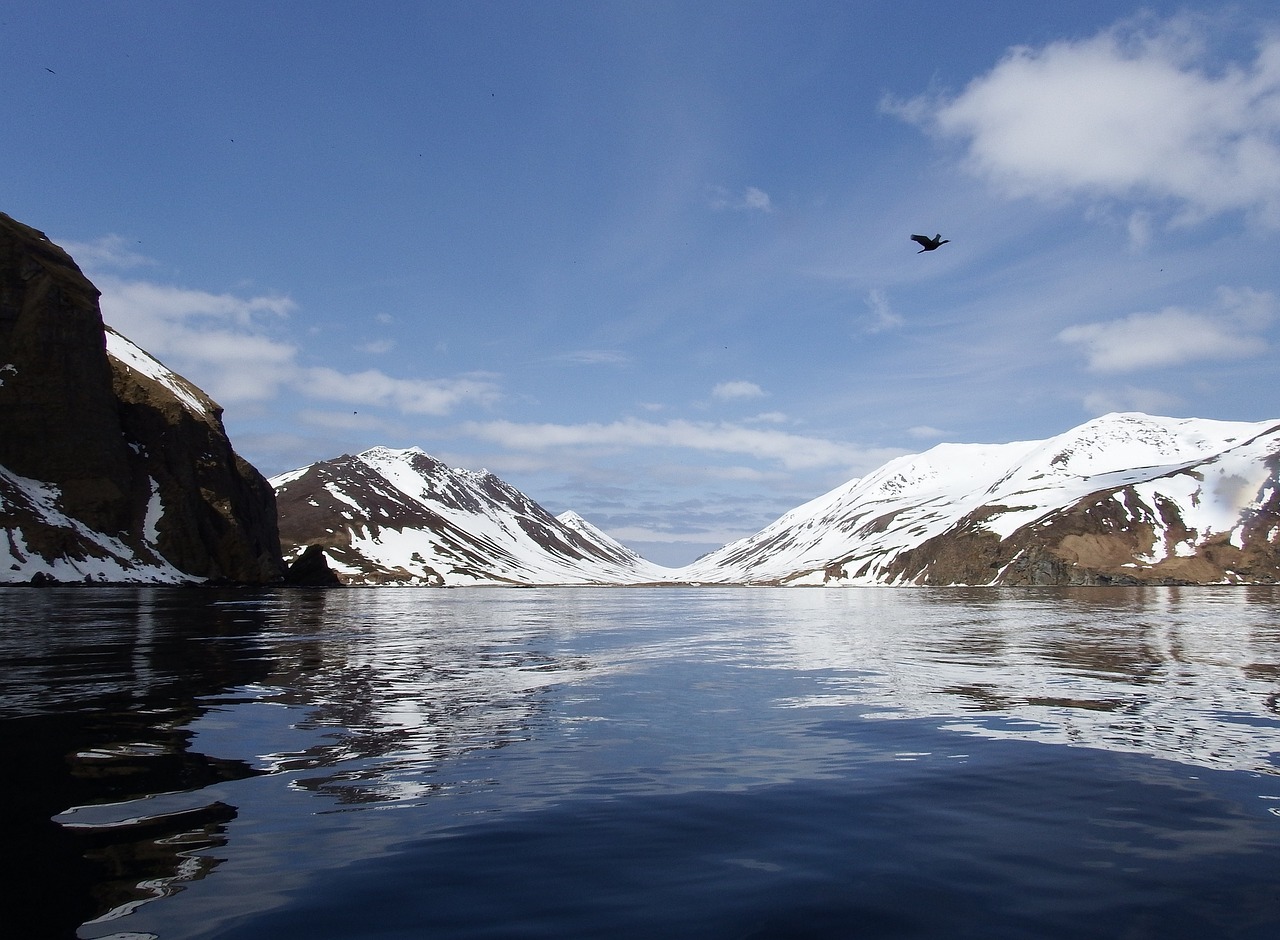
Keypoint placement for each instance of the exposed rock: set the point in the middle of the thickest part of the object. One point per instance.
(59, 419)
(112, 467)
(311, 569)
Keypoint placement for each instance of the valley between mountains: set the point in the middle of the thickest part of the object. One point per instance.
(114, 469)
(1125, 498)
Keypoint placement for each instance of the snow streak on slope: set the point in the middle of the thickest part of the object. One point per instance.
(43, 541)
(402, 517)
(81, 554)
(1189, 478)
(137, 359)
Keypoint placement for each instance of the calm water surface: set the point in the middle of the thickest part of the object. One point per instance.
(641, 763)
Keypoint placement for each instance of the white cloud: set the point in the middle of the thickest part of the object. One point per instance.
(751, 199)
(378, 346)
(1136, 112)
(408, 396)
(793, 451)
(136, 307)
(594, 357)
(225, 344)
(1175, 335)
(756, 199)
(108, 252)
(883, 316)
(770, 417)
(727, 391)
(215, 340)
(1139, 227)
(926, 432)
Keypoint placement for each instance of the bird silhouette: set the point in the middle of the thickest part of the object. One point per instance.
(930, 244)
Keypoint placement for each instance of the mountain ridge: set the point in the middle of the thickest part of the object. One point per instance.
(879, 529)
(1124, 498)
(388, 516)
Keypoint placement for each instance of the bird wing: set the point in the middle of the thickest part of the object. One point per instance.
(921, 239)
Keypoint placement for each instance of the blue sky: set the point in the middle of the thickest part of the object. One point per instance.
(650, 261)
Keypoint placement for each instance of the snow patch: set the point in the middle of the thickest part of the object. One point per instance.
(155, 511)
(125, 352)
(110, 561)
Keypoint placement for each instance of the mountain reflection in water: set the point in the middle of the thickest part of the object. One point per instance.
(169, 739)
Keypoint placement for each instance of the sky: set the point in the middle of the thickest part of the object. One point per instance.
(651, 261)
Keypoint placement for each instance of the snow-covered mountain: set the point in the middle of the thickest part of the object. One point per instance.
(1126, 498)
(402, 517)
(1123, 498)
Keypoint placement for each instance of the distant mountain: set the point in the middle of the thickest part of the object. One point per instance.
(402, 517)
(112, 467)
(1123, 499)
(1126, 498)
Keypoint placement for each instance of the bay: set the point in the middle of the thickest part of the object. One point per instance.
(712, 762)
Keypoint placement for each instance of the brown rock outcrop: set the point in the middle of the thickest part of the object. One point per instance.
(137, 476)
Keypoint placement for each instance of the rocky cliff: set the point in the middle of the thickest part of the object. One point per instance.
(112, 467)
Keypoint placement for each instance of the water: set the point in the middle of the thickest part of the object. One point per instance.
(641, 763)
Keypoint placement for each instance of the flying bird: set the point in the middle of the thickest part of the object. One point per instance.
(930, 244)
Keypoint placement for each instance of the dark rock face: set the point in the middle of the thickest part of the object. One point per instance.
(58, 414)
(311, 569)
(136, 477)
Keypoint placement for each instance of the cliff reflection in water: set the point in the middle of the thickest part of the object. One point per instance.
(387, 685)
(391, 688)
(101, 788)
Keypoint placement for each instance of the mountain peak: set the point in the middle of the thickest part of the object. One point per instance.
(1124, 497)
(406, 518)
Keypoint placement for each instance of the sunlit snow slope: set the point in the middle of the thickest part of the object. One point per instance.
(402, 517)
(1125, 497)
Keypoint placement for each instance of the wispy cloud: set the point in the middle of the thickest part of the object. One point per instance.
(593, 357)
(751, 199)
(792, 451)
(883, 317)
(1175, 335)
(727, 391)
(407, 396)
(232, 347)
(110, 252)
(222, 342)
(1139, 111)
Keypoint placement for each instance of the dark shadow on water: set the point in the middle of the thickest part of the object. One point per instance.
(95, 688)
